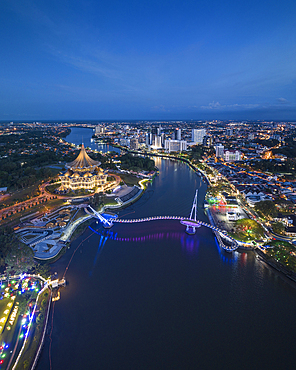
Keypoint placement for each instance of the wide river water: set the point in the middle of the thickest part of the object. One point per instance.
(149, 296)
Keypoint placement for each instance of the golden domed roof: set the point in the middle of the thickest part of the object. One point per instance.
(68, 173)
(83, 161)
(87, 174)
(76, 174)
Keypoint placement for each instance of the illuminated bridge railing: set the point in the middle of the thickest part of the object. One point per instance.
(218, 232)
(146, 219)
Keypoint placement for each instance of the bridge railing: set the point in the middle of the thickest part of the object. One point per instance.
(220, 234)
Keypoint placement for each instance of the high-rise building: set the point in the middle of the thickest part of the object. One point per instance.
(100, 130)
(157, 142)
(207, 141)
(177, 134)
(154, 130)
(197, 135)
(219, 151)
(175, 145)
(134, 143)
(229, 132)
(148, 138)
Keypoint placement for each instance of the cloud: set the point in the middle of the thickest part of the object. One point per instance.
(218, 106)
(282, 100)
(214, 105)
(160, 108)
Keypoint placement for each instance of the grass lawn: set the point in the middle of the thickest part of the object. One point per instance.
(79, 214)
(80, 228)
(52, 187)
(130, 180)
(108, 200)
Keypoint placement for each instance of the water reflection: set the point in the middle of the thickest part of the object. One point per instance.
(226, 257)
(189, 243)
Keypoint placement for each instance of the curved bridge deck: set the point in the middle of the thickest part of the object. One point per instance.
(192, 222)
(220, 234)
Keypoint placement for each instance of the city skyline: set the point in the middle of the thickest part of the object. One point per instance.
(148, 60)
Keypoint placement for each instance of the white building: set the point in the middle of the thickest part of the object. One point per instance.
(197, 135)
(100, 130)
(157, 142)
(175, 145)
(124, 142)
(220, 151)
(232, 155)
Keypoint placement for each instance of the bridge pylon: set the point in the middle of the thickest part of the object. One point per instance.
(107, 224)
(192, 229)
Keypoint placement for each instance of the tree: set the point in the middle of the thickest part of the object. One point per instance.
(97, 200)
(19, 259)
(6, 240)
(278, 228)
(266, 208)
(249, 228)
(41, 269)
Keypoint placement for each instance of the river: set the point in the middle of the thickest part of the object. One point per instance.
(81, 134)
(149, 296)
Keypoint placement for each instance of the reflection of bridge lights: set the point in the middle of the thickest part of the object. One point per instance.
(228, 258)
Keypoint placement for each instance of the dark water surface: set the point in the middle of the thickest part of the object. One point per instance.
(148, 296)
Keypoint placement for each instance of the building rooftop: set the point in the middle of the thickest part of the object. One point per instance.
(82, 162)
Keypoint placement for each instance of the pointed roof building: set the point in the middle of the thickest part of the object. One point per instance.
(83, 162)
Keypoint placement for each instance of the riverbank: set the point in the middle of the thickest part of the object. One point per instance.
(33, 343)
(275, 264)
(23, 331)
(77, 228)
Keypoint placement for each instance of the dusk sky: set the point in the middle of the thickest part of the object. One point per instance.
(92, 59)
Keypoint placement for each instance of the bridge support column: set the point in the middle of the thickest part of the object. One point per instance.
(190, 230)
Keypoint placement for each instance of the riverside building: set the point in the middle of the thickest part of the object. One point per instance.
(83, 173)
(175, 145)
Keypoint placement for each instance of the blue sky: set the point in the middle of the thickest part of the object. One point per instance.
(112, 59)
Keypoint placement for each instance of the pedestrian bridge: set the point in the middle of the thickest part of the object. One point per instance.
(225, 241)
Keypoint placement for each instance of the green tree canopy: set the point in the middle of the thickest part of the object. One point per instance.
(19, 259)
(15, 256)
(278, 228)
(131, 162)
(266, 208)
(249, 229)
